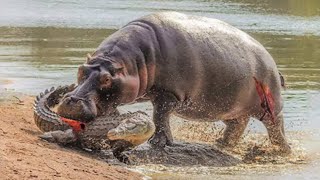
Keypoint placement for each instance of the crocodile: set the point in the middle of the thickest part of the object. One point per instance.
(115, 131)
(119, 133)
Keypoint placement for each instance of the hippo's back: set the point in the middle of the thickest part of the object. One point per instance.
(199, 30)
(209, 61)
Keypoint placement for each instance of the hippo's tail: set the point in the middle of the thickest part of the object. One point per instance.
(283, 85)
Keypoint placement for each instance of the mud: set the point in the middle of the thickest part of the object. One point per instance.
(182, 154)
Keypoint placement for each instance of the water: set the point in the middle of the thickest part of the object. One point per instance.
(287, 16)
(43, 42)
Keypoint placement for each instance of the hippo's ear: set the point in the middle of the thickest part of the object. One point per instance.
(89, 57)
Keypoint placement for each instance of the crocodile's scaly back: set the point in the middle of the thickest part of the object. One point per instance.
(45, 119)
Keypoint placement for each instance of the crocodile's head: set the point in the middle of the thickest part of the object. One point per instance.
(136, 129)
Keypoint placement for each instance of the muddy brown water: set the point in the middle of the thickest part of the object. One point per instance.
(43, 42)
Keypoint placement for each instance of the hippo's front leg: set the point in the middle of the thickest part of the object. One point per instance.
(163, 104)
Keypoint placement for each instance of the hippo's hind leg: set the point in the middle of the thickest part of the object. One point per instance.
(163, 104)
(276, 133)
(233, 131)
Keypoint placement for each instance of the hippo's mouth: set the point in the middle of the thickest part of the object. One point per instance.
(47, 119)
(78, 109)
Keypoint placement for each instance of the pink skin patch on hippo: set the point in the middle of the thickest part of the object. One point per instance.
(76, 125)
(266, 99)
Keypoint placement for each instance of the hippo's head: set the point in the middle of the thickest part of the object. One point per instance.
(101, 87)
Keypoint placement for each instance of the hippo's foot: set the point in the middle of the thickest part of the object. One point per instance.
(160, 140)
(223, 144)
(282, 150)
(266, 154)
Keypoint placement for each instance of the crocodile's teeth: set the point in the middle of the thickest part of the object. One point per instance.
(41, 94)
(52, 89)
(46, 91)
(38, 98)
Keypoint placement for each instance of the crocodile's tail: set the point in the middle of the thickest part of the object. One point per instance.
(45, 119)
(283, 85)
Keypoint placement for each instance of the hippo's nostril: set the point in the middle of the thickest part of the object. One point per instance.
(74, 99)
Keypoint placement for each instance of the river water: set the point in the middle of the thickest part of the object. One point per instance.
(43, 42)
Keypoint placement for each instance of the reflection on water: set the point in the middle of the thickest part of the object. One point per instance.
(298, 58)
(251, 15)
(36, 58)
(306, 8)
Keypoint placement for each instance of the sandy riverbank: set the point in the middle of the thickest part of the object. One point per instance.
(24, 156)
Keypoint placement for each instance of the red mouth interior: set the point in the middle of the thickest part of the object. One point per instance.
(76, 125)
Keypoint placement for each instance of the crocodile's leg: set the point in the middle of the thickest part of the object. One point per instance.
(118, 149)
(61, 137)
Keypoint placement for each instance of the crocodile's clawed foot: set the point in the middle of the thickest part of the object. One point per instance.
(61, 137)
(119, 147)
(47, 136)
(123, 157)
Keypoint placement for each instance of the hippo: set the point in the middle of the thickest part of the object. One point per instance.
(197, 68)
